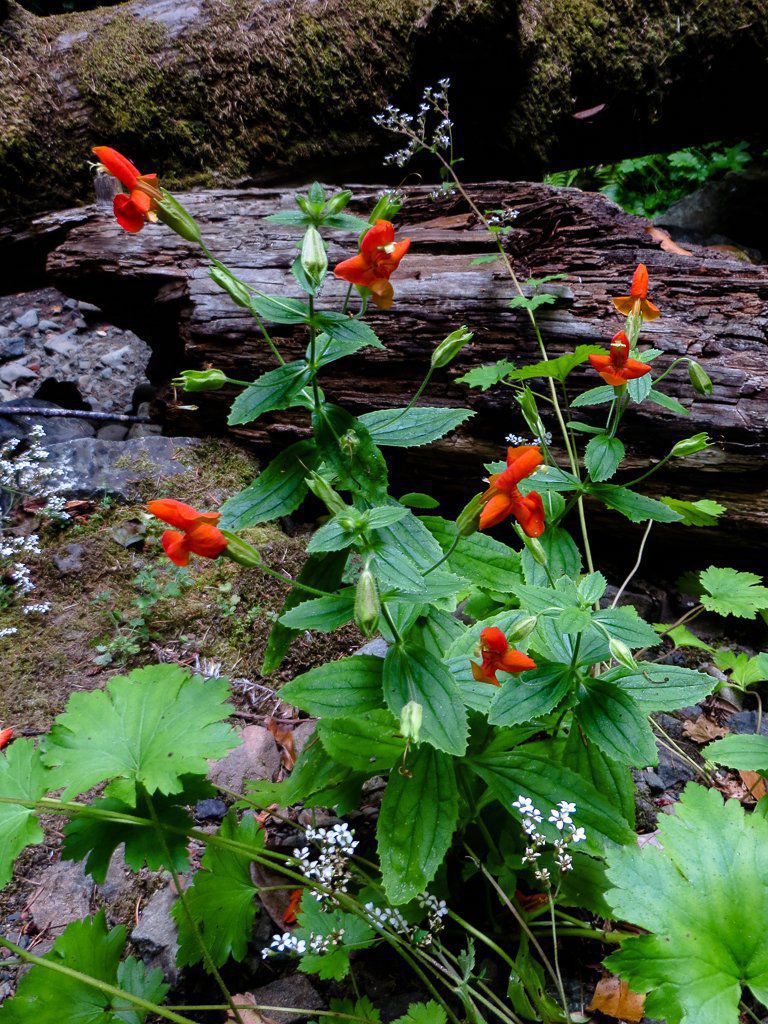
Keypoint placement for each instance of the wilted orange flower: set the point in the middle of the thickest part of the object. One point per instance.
(199, 536)
(289, 917)
(378, 259)
(503, 499)
(134, 210)
(498, 656)
(617, 368)
(6, 735)
(637, 301)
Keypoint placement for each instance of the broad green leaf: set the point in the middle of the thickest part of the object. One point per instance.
(696, 513)
(22, 775)
(626, 625)
(369, 741)
(321, 614)
(636, 507)
(743, 670)
(279, 310)
(729, 592)
(559, 368)
(529, 696)
(415, 499)
(345, 222)
(662, 687)
(277, 389)
(89, 949)
(592, 587)
(331, 537)
(681, 636)
(222, 897)
(346, 332)
(701, 894)
(412, 673)
(563, 557)
(315, 781)
(640, 388)
(666, 402)
(595, 396)
(293, 218)
(485, 377)
(486, 562)
(147, 729)
(277, 491)
(610, 778)
(410, 428)
(346, 445)
(423, 1013)
(418, 817)
(745, 753)
(602, 457)
(395, 570)
(613, 720)
(533, 770)
(337, 689)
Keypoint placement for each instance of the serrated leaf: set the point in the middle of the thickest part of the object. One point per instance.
(485, 377)
(626, 625)
(743, 670)
(636, 507)
(595, 396)
(350, 933)
(277, 491)
(613, 720)
(696, 513)
(222, 897)
(146, 729)
(398, 428)
(662, 687)
(666, 401)
(321, 614)
(730, 592)
(419, 814)
(681, 636)
(745, 753)
(592, 587)
(602, 457)
(639, 388)
(563, 557)
(610, 778)
(277, 389)
(315, 781)
(339, 688)
(345, 222)
(369, 741)
(533, 302)
(707, 921)
(557, 369)
(529, 696)
(423, 1013)
(22, 776)
(486, 562)
(479, 261)
(346, 331)
(294, 218)
(412, 673)
(280, 310)
(345, 443)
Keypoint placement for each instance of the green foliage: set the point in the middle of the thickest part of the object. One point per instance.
(350, 686)
(24, 777)
(729, 592)
(745, 753)
(410, 428)
(602, 457)
(277, 491)
(743, 671)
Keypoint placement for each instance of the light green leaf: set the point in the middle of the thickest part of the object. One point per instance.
(729, 592)
(22, 775)
(600, 395)
(321, 614)
(338, 689)
(280, 310)
(666, 401)
(486, 562)
(696, 513)
(563, 557)
(681, 636)
(423, 1013)
(418, 426)
(529, 696)
(485, 377)
(277, 389)
(348, 334)
(277, 491)
(350, 933)
(415, 499)
(602, 457)
(369, 741)
(412, 673)
(418, 817)
(533, 302)
(315, 781)
(744, 671)
(613, 720)
(636, 507)
(557, 369)
(745, 753)
(662, 687)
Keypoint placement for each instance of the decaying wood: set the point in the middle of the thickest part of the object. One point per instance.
(714, 309)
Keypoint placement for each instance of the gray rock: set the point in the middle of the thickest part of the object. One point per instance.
(83, 306)
(119, 879)
(14, 373)
(69, 559)
(155, 936)
(48, 325)
(302, 734)
(28, 320)
(256, 758)
(4, 331)
(377, 647)
(145, 430)
(294, 990)
(117, 357)
(11, 347)
(64, 896)
(59, 346)
(112, 432)
(57, 429)
(91, 466)
(210, 810)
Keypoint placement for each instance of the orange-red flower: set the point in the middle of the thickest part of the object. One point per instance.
(378, 259)
(134, 210)
(617, 368)
(498, 656)
(503, 499)
(6, 735)
(198, 534)
(289, 917)
(637, 302)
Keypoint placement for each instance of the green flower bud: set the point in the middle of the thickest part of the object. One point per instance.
(621, 653)
(172, 213)
(527, 402)
(200, 380)
(411, 718)
(388, 206)
(337, 203)
(314, 259)
(367, 603)
(700, 379)
(323, 490)
(234, 288)
(534, 546)
(522, 629)
(450, 347)
(241, 552)
(468, 520)
(691, 445)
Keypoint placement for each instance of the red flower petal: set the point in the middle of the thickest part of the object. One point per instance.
(175, 545)
(494, 640)
(639, 288)
(117, 165)
(6, 735)
(498, 507)
(382, 233)
(128, 215)
(178, 514)
(356, 270)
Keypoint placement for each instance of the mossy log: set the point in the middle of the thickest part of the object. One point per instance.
(714, 309)
(218, 91)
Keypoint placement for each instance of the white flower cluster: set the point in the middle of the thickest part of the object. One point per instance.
(331, 867)
(419, 129)
(394, 919)
(502, 218)
(518, 439)
(560, 817)
(290, 943)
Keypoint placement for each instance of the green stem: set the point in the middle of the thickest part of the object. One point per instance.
(313, 367)
(560, 986)
(446, 556)
(419, 392)
(653, 469)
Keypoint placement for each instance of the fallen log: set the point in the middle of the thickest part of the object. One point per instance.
(714, 309)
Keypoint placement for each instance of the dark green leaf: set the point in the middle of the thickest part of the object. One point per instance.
(696, 513)
(745, 753)
(602, 457)
(485, 377)
(613, 720)
(347, 446)
(369, 741)
(418, 426)
(595, 396)
(662, 687)
(610, 778)
(341, 688)
(667, 402)
(280, 310)
(486, 562)
(411, 673)
(323, 614)
(277, 389)
(277, 491)
(636, 507)
(527, 697)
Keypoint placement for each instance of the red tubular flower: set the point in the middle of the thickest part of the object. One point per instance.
(6, 735)
(498, 656)
(289, 917)
(134, 210)
(503, 499)
(637, 302)
(199, 536)
(617, 368)
(378, 259)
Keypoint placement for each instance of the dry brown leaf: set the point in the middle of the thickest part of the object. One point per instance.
(531, 900)
(248, 1016)
(666, 243)
(283, 736)
(755, 785)
(703, 730)
(614, 998)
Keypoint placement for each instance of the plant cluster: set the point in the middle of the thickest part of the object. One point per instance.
(506, 737)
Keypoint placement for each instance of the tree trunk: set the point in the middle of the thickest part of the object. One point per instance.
(714, 309)
(210, 91)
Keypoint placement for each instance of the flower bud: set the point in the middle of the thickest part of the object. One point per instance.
(387, 207)
(527, 402)
(200, 380)
(367, 603)
(314, 259)
(534, 546)
(621, 653)
(337, 203)
(468, 520)
(323, 490)
(240, 551)
(234, 288)
(522, 629)
(700, 379)
(172, 213)
(450, 347)
(690, 445)
(411, 718)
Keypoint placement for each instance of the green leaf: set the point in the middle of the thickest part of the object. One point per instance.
(602, 457)
(532, 303)
(479, 261)
(729, 592)
(662, 687)
(681, 636)
(592, 587)
(280, 310)
(557, 369)
(346, 332)
(613, 720)
(636, 507)
(666, 402)
(414, 499)
(346, 445)
(322, 614)
(338, 689)
(22, 776)
(222, 897)
(368, 742)
(420, 425)
(88, 948)
(349, 931)
(418, 817)
(744, 671)
(345, 222)
(626, 625)
(412, 673)
(316, 781)
(610, 778)
(277, 389)
(696, 513)
(703, 898)
(423, 1013)
(563, 557)
(294, 218)
(745, 753)
(527, 697)
(640, 388)
(486, 562)
(147, 729)
(485, 377)
(600, 395)
(277, 491)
